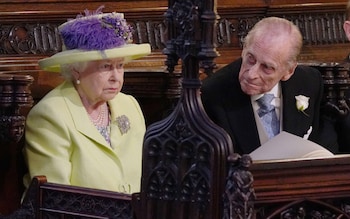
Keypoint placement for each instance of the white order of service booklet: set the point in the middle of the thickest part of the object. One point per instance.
(289, 146)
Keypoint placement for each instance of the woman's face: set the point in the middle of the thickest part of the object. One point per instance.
(101, 80)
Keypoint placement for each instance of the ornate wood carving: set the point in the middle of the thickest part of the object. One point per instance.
(48, 200)
(336, 89)
(182, 163)
(318, 28)
(306, 208)
(30, 39)
(14, 94)
(43, 38)
(320, 24)
(239, 193)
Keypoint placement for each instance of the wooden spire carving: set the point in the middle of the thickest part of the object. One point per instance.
(184, 157)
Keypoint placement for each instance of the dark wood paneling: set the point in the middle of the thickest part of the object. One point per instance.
(302, 188)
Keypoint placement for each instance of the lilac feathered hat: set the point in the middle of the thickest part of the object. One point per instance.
(95, 36)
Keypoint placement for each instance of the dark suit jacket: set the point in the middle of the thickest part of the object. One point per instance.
(227, 105)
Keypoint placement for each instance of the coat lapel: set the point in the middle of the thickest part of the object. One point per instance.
(80, 116)
(294, 122)
(241, 119)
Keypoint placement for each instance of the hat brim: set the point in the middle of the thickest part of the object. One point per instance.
(128, 52)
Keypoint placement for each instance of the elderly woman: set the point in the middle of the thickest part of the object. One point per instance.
(85, 132)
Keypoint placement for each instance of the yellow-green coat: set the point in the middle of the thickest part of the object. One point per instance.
(64, 145)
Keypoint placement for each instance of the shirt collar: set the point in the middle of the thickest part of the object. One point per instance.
(276, 91)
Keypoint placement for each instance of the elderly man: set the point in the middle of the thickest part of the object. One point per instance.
(268, 65)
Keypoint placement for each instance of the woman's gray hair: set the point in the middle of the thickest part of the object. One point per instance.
(277, 27)
(68, 69)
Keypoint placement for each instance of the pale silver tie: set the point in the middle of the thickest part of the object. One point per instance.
(268, 115)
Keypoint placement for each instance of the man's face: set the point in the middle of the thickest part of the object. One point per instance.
(264, 64)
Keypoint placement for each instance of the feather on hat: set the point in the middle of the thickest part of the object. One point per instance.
(95, 36)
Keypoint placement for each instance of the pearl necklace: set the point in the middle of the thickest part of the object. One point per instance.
(101, 117)
(102, 124)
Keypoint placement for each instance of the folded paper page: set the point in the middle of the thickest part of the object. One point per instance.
(289, 146)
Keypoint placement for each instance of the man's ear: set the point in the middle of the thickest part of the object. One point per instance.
(289, 73)
(346, 27)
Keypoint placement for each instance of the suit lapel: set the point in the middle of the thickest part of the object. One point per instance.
(294, 122)
(240, 114)
(244, 126)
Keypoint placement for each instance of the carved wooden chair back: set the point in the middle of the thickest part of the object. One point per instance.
(50, 200)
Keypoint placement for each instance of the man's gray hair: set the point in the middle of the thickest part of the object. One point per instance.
(276, 27)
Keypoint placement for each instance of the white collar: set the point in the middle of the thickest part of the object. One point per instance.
(276, 91)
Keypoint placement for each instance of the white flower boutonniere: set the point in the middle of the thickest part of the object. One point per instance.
(302, 103)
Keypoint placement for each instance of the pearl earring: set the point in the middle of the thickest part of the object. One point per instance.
(78, 81)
